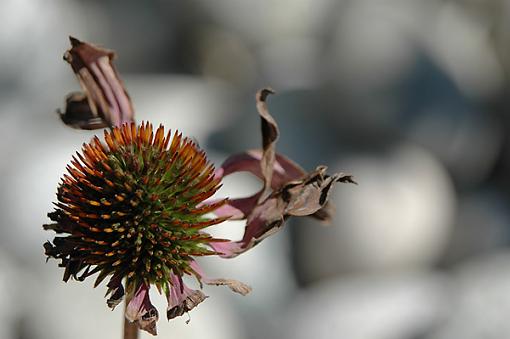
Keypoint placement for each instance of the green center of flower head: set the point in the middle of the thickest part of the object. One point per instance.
(131, 207)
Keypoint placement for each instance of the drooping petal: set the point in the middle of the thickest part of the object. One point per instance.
(115, 290)
(105, 102)
(141, 311)
(234, 285)
(181, 298)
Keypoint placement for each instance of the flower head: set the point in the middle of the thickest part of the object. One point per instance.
(135, 207)
(131, 209)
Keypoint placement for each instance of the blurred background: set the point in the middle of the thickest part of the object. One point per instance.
(410, 96)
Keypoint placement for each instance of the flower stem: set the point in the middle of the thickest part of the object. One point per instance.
(130, 328)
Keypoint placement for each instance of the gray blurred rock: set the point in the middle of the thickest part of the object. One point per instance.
(399, 306)
(399, 216)
(481, 302)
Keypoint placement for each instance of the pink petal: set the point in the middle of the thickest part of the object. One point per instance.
(237, 209)
(227, 249)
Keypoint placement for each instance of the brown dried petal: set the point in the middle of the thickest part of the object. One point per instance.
(269, 137)
(115, 290)
(234, 285)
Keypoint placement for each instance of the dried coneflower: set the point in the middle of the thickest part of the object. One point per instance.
(135, 207)
(131, 208)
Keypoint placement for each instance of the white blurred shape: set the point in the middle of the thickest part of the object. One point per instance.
(226, 56)
(191, 105)
(399, 216)
(481, 225)
(33, 174)
(33, 36)
(366, 307)
(373, 46)
(266, 20)
(469, 144)
(481, 300)
(11, 296)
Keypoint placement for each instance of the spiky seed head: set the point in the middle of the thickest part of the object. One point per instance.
(130, 207)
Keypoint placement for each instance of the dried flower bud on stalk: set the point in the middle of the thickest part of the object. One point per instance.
(134, 208)
(105, 102)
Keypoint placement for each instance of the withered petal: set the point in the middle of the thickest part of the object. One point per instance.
(115, 290)
(141, 311)
(234, 285)
(181, 298)
(288, 190)
(270, 135)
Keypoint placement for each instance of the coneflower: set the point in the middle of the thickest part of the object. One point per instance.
(130, 208)
(133, 208)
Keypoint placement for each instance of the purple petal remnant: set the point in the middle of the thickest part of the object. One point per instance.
(288, 190)
(141, 310)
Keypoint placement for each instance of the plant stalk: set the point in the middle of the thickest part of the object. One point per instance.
(130, 328)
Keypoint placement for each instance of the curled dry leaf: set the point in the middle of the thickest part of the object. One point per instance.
(288, 189)
(104, 101)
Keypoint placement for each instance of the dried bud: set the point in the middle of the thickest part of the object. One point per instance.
(105, 102)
